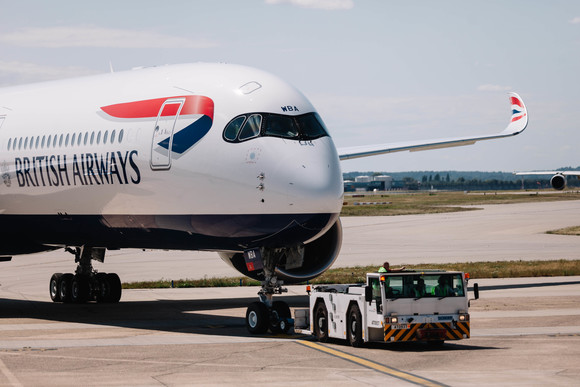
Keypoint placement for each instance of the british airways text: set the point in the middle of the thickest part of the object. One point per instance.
(83, 169)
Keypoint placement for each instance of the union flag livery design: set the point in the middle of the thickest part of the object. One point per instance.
(518, 111)
(184, 138)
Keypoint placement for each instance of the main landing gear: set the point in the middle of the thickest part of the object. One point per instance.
(86, 284)
(267, 314)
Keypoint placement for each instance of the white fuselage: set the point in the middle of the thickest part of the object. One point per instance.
(82, 159)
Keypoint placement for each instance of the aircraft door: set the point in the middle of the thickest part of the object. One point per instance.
(163, 134)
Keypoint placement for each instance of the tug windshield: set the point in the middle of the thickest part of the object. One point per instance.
(424, 285)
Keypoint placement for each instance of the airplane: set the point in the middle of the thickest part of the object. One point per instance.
(214, 157)
(558, 181)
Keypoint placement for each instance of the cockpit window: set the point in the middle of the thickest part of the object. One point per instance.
(280, 126)
(233, 128)
(305, 127)
(252, 127)
(312, 125)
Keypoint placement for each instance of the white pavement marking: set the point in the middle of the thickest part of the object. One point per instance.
(9, 375)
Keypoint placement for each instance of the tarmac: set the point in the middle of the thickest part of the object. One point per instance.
(524, 331)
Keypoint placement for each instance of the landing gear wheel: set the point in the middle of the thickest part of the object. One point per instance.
(115, 288)
(54, 286)
(103, 288)
(279, 317)
(79, 289)
(321, 322)
(257, 318)
(354, 326)
(65, 287)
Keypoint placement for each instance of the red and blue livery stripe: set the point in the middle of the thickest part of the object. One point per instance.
(517, 109)
(183, 139)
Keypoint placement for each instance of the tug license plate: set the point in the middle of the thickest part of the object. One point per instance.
(400, 326)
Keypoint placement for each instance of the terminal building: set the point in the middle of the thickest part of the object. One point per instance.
(370, 183)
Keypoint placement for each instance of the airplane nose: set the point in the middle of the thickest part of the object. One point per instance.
(315, 181)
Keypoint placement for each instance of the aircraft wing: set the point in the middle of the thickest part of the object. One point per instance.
(565, 173)
(518, 122)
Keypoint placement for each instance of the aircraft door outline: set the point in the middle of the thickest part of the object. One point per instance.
(162, 140)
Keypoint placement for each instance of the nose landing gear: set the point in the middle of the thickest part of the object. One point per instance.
(266, 313)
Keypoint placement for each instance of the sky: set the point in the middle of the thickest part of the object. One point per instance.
(377, 71)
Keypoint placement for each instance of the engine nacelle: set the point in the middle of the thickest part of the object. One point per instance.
(558, 182)
(319, 255)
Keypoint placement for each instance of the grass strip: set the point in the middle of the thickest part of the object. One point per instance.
(477, 270)
(566, 231)
(439, 202)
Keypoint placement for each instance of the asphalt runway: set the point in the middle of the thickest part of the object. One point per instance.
(524, 331)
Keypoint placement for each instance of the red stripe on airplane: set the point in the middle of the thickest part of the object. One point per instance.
(194, 104)
(517, 118)
(516, 101)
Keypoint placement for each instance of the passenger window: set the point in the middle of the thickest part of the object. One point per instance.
(92, 137)
(37, 142)
(9, 143)
(26, 143)
(54, 141)
(72, 140)
(252, 127)
(280, 126)
(105, 137)
(60, 141)
(121, 132)
(43, 142)
(113, 137)
(99, 137)
(86, 138)
(66, 140)
(233, 128)
(79, 139)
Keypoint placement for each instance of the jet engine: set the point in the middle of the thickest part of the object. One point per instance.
(558, 182)
(315, 258)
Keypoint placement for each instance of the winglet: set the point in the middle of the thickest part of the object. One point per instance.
(519, 119)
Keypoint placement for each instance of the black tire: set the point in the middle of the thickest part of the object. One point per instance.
(257, 318)
(65, 287)
(321, 322)
(354, 326)
(54, 287)
(79, 289)
(103, 293)
(436, 343)
(279, 317)
(115, 287)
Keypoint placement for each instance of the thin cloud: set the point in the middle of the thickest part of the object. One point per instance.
(493, 88)
(328, 5)
(13, 72)
(576, 20)
(79, 36)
